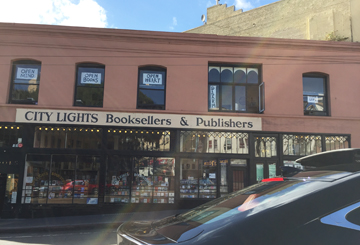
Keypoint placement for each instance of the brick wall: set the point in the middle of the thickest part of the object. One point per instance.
(295, 19)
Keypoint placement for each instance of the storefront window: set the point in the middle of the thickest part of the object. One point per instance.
(223, 177)
(214, 142)
(10, 136)
(61, 179)
(70, 138)
(198, 178)
(117, 186)
(265, 147)
(336, 142)
(11, 188)
(153, 180)
(301, 145)
(138, 140)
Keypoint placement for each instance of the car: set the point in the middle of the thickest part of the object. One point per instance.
(316, 206)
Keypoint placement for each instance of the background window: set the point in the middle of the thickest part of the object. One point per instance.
(315, 95)
(89, 85)
(151, 93)
(25, 82)
(236, 89)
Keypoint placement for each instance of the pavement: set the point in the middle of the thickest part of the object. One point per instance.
(79, 222)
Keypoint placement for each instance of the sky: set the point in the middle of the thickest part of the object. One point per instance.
(150, 15)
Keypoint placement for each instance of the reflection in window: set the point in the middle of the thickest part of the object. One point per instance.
(233, 88)
(301, 145)
(199, 182)
(153, 180)
(315, 95)
(61, 179)
(214, 142)
(66, 137)
(336, 142)
(140, 140)
(117, 186)
(25, 82)
(151, 92)
(89, 85)
(265, 147)
(10, 136)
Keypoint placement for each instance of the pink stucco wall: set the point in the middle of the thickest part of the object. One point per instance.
(186, 57)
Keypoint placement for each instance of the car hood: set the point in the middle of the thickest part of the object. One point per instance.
(166, 231)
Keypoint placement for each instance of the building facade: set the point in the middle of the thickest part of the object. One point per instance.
(99, 120)
(294, 19)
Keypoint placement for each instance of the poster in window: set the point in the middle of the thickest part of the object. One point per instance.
(259, 172)
(272, 170)
(213, 97)
(90, 78)
(152, 79)
(26, 73)
(312, 99)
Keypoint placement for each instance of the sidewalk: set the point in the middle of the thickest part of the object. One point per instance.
(78, 222)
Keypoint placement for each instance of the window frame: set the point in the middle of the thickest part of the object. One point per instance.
(325, 78)
(151, 69)
(90, 86)
(31, 64)
(260, 86)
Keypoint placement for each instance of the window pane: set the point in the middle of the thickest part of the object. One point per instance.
(240, 75)
(142, 181)
(10, 136)
(214, 97)
(226, 97)
(214, 74)
(61, 184)
(86, 188)
(224, 163)
(226, 74)
(208, 180)
(253, 76)
(252, 98)
(36, 179)
(314, 86)
(117, 186)
(25, 93)
(164, 180)
(240, 98)
(189, 177)
(89, 96)
(151, 97)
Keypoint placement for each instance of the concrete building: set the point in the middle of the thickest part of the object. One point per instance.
(291, 19)
(99, 120)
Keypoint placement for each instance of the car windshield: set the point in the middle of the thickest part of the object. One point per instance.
(254, 199)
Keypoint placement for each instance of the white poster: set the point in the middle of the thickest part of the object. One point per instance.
(212, 175)
(213, 97)
(13, 197)
(27, 199)
(26, 73)
(152, 79)
(90, 78)
(313, 99)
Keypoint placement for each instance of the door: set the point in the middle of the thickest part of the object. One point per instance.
(3, 199)
(238, 174)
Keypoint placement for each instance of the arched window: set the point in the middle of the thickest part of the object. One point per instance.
(315, 94)
(235, 89)
(151, 90)
(25, 82)
(89, 89)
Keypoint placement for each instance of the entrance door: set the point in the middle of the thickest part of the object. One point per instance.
(238, 174)
(265, 169)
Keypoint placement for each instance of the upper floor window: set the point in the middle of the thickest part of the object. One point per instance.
(235, 89)
(151, 92)
(89, 89)
(25, 82)
(315, 94)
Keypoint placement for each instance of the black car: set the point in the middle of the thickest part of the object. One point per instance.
(310, 207)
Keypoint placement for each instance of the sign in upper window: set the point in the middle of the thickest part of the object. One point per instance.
(152, 79)
(90, 78)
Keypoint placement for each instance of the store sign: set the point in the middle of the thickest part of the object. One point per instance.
(152, 79)
(26, 73)
(101, 118)
(213, 97)
(90, 78)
